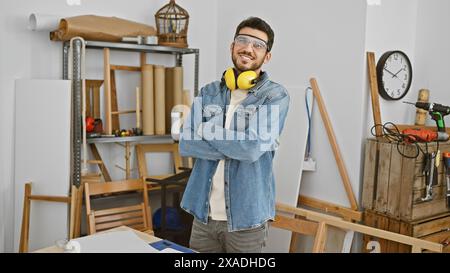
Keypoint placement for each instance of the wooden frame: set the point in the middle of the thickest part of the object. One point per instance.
(28, 197)
(316, 223)
(142, 149)
(137, 216)
(111, 106)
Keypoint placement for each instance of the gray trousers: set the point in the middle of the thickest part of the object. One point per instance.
(215, 238)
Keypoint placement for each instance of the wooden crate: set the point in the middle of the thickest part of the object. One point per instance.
(435, 229)
(394, 185)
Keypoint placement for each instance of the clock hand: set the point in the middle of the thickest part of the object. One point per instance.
(397, 73)
(390, 72)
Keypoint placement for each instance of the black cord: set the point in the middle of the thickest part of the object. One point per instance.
(391, 132)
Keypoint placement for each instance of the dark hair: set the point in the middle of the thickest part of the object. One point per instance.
(259, 24)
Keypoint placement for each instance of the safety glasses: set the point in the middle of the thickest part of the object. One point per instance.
(245, 40)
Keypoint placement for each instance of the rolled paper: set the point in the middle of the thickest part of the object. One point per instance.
(160, 106)
(178, 85)
(43, 22)
(169, 97)
(138, 107)
(148, 106)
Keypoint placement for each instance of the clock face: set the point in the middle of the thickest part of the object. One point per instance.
(394, 75)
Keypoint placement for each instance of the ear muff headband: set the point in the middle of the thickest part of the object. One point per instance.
(244, 81)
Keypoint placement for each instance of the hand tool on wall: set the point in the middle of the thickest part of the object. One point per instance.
(446, 156)
(437, 112)
(429, 168)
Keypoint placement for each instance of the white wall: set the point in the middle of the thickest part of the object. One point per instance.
(432, 55)
(392, 26)
(27, 54)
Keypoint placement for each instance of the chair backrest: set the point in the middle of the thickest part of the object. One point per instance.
(143, 149)
(136, 216)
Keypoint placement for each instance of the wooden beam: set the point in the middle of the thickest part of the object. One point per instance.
(321, 238)
(340, 223)
(374, 93)
(334, 145)
(295, 225)
(107, 95)
(126, 68)
(59, 199)
(346, 213)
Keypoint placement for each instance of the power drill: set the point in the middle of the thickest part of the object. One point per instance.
(437, 112)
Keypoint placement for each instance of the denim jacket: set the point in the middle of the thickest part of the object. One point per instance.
(248, 148)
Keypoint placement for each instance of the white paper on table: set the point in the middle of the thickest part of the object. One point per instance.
(169, 250)
(115, 242)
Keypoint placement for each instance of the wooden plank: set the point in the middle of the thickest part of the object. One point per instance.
(368, 221)
(383, 178)
(123, 112)
(427, 209)
(320, 239)
(383, 224)
(107, 95)
(116, 186)
(430, 227)
(114, 104)
(394, 226)
(441, 238)
(374, 93)
(346, 213)
(395, 180)
(109, 225)
(368, 195)
(334, 146)
(25, 229)
(58, 199)
(406, 187)
(405, 229)
(119, 216)
(102, 167)
(346, 225)
(295, 225)
(126, 68)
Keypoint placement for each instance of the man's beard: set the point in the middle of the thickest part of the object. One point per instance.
(253, 67)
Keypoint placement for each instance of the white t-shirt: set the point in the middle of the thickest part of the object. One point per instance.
(217, 209)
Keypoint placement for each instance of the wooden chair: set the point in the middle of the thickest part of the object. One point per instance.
(136, 217)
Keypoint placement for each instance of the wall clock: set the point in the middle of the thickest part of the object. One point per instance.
(394, 75)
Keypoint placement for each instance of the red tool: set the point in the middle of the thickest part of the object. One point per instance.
(423, 135)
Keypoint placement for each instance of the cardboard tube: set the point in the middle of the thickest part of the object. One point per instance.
(169, 97)
(138, 107)
(160, 106)
(148, 106)
(178, 85)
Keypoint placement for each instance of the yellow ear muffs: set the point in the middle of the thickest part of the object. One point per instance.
(247, 80)
(244, 81)
(230, 78)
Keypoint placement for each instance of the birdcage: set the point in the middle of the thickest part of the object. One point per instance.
(172, 25)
